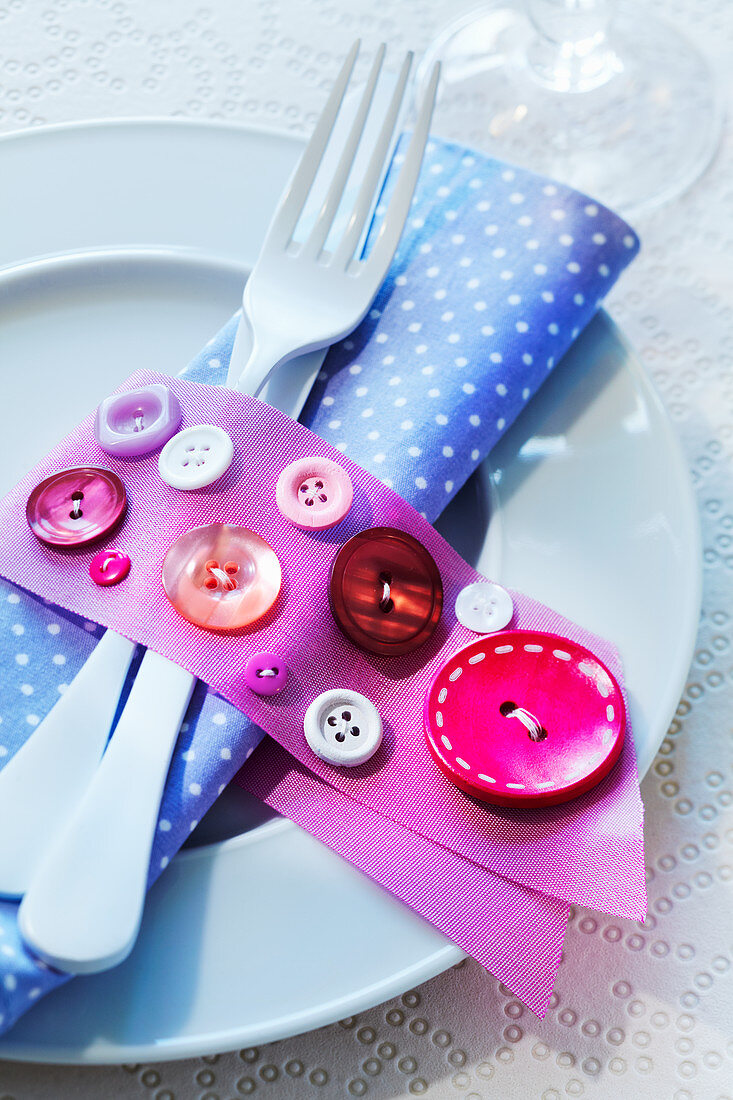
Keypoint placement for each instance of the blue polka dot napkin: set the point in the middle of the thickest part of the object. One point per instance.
(497, 273)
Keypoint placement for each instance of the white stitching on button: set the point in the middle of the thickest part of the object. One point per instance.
(504, 649)
(442, 695)
(447, 743)
(561, 655)
(610, 713)
(462, 762)
(476, 659)
(533, 649)
(439, 719)
(455, 674)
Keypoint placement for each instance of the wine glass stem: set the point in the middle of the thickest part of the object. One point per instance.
(570, 49)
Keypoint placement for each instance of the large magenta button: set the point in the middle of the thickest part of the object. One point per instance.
(386, 592)
(523, 718)
(75, 507)
(221, 577)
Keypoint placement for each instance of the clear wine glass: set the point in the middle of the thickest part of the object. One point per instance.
(597, 93)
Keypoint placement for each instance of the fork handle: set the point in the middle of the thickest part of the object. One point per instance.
(43, 782)
(67, 918)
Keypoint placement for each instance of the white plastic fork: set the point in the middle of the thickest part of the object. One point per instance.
(82, 910)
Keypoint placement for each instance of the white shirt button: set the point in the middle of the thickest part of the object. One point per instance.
(196, 457)
(343, 727)
(484, 607)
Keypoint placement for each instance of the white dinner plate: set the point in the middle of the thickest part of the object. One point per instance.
(126, 245)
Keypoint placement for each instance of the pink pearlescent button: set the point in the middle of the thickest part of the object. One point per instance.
(524, 718)
(314, 493)
(265, 674)
(109, 567)
(74, 507)
(138, 421)
(221, 577)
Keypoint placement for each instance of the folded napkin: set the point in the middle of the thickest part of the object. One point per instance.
(497, 273)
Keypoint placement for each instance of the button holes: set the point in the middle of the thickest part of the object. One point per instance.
(231, 567)
(331, 720)
(191, 447)
(139, 420)
(340, 736)
(304, 488)
(535, 730)
(205, 447)
(355, 731)
(218, 577)
(309, 502)
(319, 485)
(266, 672)
(386, 603)
(346, 715)
(323, 498)
(76, 499)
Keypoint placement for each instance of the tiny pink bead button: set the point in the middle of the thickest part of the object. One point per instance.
(75, 507)
(221, 577)
(314, 493)
(109, 567)
(523, 718)
(265, 674)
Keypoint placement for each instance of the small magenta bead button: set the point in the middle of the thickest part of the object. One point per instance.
(343, 727)
(265, 674)
(314, 493)
(196, 457)
(74, 507)
(523, 718)
(109, 567)
(221, 577)
(386, 592)
(138, 421)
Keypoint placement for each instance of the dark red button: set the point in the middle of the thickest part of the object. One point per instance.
(524, 718)
(386, 593)
(77, 506)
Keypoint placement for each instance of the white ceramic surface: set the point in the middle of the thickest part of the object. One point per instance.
(134, 254)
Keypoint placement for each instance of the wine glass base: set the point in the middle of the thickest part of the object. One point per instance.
(643, 134)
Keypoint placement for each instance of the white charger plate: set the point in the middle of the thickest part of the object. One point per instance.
(125, 245)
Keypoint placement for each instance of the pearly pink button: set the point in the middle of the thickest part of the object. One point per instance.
(221, 577)
(109, 567)
(265, 674)
(75, 507)
(523, 718)
(314, 493)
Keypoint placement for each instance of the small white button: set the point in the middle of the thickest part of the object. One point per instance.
(484, 607)
(343, 727)
(196, 457)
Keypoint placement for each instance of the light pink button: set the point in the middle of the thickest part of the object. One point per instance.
(109, 567)
(523, 718)
(221, 577)
(314, 493)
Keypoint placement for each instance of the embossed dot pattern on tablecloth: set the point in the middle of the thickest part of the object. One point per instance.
(656, 1021)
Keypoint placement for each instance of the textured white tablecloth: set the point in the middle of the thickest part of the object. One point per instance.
(654, 1023)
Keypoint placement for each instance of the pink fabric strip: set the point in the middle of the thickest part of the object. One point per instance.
(514, 932)
(588, 851)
